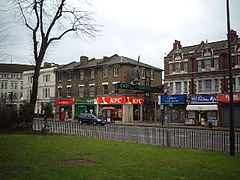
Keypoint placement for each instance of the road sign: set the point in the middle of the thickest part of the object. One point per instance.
(153, 89)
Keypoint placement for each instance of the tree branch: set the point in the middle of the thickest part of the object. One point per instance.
(59, 37)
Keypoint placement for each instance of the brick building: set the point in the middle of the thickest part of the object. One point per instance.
(201, 72)
(91, 86)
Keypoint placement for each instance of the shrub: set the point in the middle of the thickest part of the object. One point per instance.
(8, 117)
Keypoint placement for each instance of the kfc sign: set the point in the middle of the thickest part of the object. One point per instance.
(224, 98)
(119, 100)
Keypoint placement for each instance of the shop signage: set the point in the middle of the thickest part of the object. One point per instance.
(141, 88)
(84, 101)
(224, 98)
(210, 99)
(172, 99)
(64, 102)
(119, 100)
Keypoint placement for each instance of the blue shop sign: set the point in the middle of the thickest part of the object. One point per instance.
(173, 99)
(210, 99)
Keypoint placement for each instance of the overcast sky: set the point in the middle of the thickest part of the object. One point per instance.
(136, 27)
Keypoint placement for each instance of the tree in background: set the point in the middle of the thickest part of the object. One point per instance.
(49, 21)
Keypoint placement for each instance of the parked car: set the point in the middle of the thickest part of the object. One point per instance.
(89, 118)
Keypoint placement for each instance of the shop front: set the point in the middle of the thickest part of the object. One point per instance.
(224, 100)
(202, 110)
(40, 106)
(173, 108)
(65, 108)
(84, 105)
(120, 108)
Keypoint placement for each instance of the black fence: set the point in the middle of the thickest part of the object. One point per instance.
(204, 139)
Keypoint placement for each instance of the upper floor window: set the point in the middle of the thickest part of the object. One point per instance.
(69, 76)
(170, 68)
(171, 88)
(199, 66)
(178, 87)
(81, 75)
(21, 84)
(185, 87)
(178, 67)
(46, 78)
(105, 72)
(46, 92)
(208, 85)
(91, 91)
(30, 79)
(59, 77)
(185, 67)
(92, 74)
(143, 73)
(105, 89)
(81, 91)
(216, 64)
(59, 92)
(199, 86)
(208, 65)
(216, 88)
(152, 74)
(69, 91)
(116, 89)
(115, 70)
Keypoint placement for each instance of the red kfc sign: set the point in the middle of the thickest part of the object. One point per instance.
(64, 102)
(119, 100)
(224, 98)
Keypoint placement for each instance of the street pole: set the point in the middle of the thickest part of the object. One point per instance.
(232, 138)
(155, 113)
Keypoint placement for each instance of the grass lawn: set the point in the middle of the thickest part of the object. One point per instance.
(39, 157)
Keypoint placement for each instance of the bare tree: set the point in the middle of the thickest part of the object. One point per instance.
(50, 21)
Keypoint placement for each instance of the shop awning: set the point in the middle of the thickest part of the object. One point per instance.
(210, 107)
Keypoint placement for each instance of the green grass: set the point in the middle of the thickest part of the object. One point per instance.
(37, 157)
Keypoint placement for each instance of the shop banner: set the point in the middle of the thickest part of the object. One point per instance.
(208, 99)
(119, 100)
(84, 101)
(64, 102)
(172, 99)
(224, 98)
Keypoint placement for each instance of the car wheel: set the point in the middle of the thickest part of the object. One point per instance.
(80, 122)
(94, 123)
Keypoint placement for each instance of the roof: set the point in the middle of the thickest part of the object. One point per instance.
(15, 68)
(115, 59)
(217, 45)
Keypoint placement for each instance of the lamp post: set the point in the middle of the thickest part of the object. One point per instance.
(231, 111)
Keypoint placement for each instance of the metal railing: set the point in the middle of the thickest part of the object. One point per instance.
(204, 139)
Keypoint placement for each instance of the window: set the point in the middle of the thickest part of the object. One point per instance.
(81, 75)
(105, 72)
(105, 89)
(208, 65)
(30, 79)
(69, 91)
(92, 74)
(15, 85)
(199, 66)
(216, 64)
(46, 92)
(234, 84)
(59, 77)
(59, 92)
(6, 85)
(185, 67)
(91, 91)
(116, 89)
(170, 68)
(199, 86)
(116, 70)
(69, 76)
(178, 67)
(185, 87)
(21, 84)
(178, 87)
(29, 92)
(81, 91)
(143, 73)
(216, 85)
(171, 88)
(46, 78)
(152, 74)
(208, 85)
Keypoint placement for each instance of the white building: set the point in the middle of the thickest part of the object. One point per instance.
(11, 82)
(46, 87)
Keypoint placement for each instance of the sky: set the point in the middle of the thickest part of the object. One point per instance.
(131, 28)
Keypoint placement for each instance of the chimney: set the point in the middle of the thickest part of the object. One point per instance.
(177, 44)
(233, 35)
(83, 60)
(47, 65)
